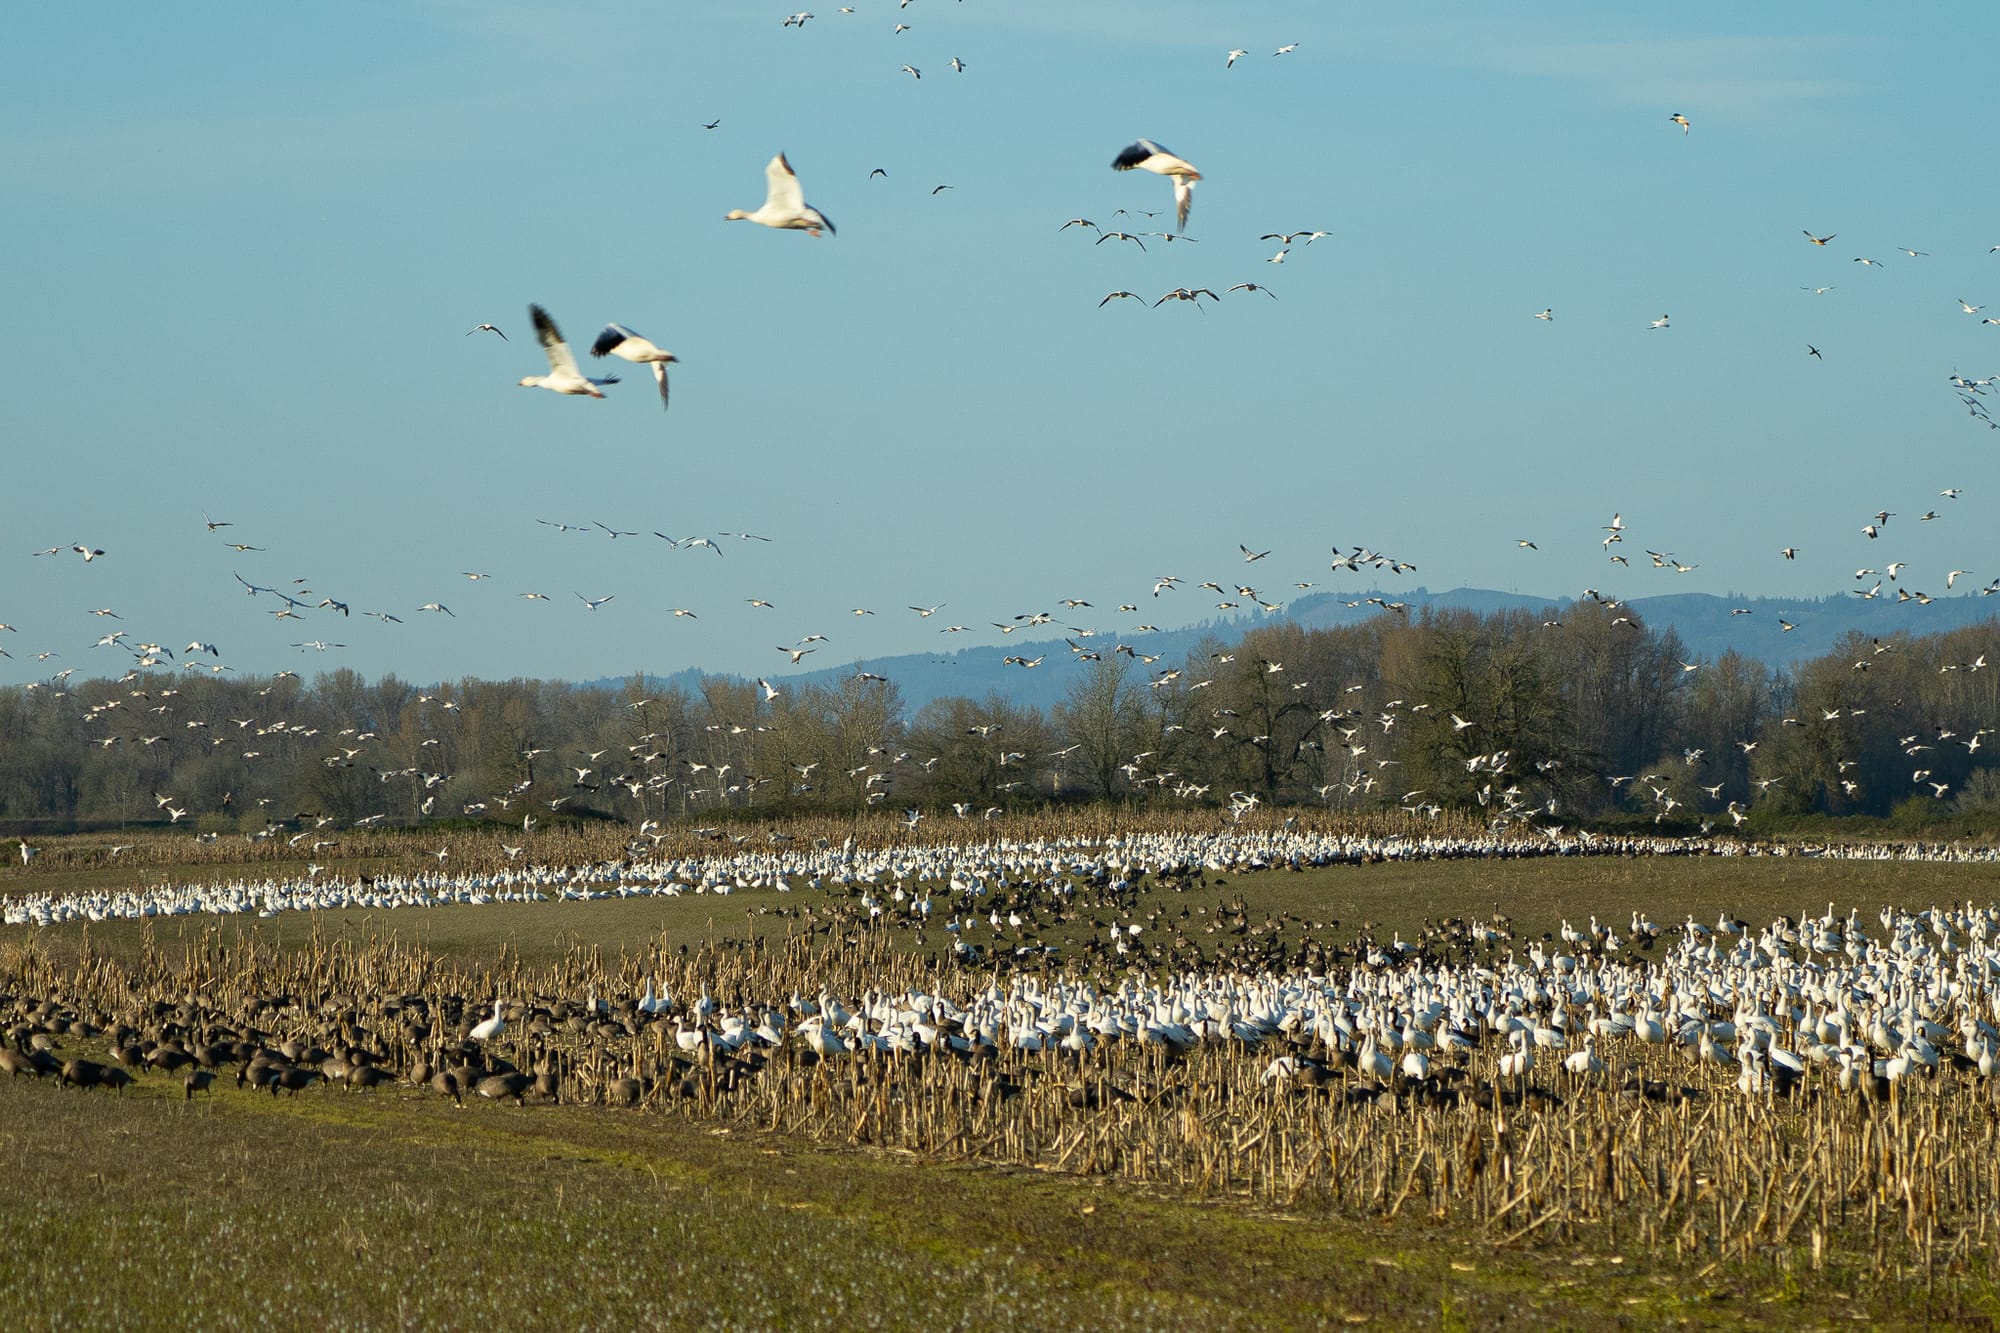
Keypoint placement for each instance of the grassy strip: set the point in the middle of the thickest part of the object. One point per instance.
(395, 1210)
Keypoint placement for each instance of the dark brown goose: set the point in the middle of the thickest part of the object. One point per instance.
(498, 1087)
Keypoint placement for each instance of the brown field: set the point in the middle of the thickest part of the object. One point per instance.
(1127, 1191)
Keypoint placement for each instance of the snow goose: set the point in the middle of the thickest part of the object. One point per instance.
(621, 342)
(563, 376)
(492, 1027)
(784, 205)
(1145, 155)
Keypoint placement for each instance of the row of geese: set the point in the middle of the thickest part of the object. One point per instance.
(1052, 865)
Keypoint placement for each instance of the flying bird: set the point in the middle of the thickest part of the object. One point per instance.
(784, 206)
(484, 328)
(1821, 240)
(1234, 56)
(621, 342)
(563, 376)
(1680, 120)
(1145, 155)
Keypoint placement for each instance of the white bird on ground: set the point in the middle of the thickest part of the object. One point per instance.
(563, 376)
(784, 205)
(1145, 155)
(621, 342)
(490, 1028)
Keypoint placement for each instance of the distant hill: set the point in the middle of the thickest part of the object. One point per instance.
(1705, 623)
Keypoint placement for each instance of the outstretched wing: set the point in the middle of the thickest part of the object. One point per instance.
(608, 341)
(1133, 154)
(784, 191)
(552, 342)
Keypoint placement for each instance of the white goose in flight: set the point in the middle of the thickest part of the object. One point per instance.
(621, 342)
(1145, 155)
(784, 205)
(563, 376)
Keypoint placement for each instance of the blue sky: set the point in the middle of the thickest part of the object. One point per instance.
(243, 248)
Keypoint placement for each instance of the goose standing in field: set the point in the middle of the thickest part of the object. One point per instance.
(784, 205)
(490, 1028)
(1145, 155)
(621, 342)
(563, 376)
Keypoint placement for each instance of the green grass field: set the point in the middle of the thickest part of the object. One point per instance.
(393, 1210)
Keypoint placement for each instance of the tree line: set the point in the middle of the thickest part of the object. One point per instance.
(1591, 717)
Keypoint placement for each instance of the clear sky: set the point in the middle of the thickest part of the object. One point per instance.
(243, 246)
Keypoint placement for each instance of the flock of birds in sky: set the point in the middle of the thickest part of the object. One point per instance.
(786, 208)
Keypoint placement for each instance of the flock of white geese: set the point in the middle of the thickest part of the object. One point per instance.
(1869, 1002)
